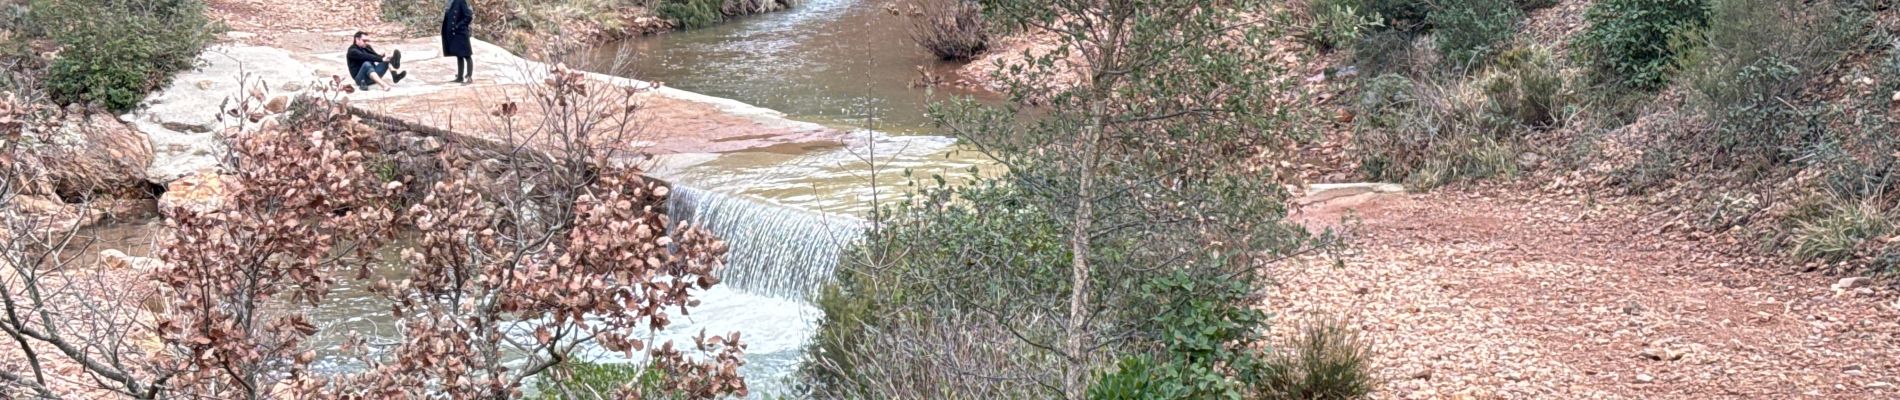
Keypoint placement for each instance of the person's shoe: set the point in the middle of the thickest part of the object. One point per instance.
(399, 75)
(458, 79)
(395, 59)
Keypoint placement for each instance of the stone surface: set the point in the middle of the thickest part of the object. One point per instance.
(195, 193)
(94, 154)
(117, 260)
(180, 119)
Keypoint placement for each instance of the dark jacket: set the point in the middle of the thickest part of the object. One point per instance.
(362, 54)
(455, 23)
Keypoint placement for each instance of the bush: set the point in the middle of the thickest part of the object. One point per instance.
(1327, 361)
(1528, 5)
(116, 51)
(1525, 89)
(1211, 348)
(1468, 32)
(586, 380)
(1429, 133)
(1629, 41)
(1746, 71)
(950, 29)
(692, 14)
(1390, 51)
(1338, 23)
(1839, 231)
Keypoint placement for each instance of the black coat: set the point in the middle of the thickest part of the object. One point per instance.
(455, 23)
(359, 55)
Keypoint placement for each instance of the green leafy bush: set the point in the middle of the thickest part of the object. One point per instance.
(1468, 32)
(586, 380)
(116, 51)
(1528, 5)
(1630, 41)
(692, 14)
(1211, 347)
(1327, 361)
(1338, 23)
(1525, 88)
(1428, 133)
(1747, 69)
(1208, 335)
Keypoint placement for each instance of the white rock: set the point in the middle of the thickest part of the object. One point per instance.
(193, 100)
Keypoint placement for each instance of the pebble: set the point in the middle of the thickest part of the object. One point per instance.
(1644, 378)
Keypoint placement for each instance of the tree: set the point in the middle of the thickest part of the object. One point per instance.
(1142, 157)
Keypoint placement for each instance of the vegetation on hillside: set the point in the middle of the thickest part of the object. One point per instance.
(107, 53)
(1788, 104)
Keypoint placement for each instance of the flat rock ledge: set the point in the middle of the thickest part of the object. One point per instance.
(184, 121)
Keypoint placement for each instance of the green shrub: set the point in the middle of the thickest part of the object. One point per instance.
(1428, 133)
(1468, 32)
(1209, 337)
(1327, 361)
(1629, 42)
(586, 380)
(1839, 231)
(1525, 88)
(1404, 15)
(692, 14)
(116, 51)
(1391, 51)
(1746, 71)
(1338, 23)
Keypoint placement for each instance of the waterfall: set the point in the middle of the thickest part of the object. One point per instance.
(775, 250)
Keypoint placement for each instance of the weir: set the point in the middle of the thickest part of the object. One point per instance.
(775, 250)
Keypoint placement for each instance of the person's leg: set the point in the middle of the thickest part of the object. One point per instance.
(461, 69)
(377, 71)
(470, 75)
(364, 77)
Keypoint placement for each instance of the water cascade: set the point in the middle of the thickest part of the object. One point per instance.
(776, 251)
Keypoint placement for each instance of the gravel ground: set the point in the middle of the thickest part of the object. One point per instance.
(1494, 293)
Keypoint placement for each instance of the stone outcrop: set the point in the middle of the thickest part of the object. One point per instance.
(92, 155)
(183, 120)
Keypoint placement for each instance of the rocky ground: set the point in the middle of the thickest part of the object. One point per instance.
(1491, 292)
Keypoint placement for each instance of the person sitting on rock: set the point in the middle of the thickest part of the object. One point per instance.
(368, 66)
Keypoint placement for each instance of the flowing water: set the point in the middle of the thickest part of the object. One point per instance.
(787, 211)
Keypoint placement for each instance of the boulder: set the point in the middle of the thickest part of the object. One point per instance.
(197, 193)
(93, 154)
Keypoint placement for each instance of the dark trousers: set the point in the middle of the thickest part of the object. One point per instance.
(464, 68)
(364, 72)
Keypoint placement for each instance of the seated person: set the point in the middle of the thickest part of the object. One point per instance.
(368, 66)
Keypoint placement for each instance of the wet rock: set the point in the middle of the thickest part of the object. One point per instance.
(197, 193)
(277, 105)
(93, 155)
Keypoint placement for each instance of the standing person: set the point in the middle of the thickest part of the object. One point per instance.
(368, 66)
(455, 22)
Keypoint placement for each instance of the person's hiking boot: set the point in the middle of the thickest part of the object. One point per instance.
(399, 75)
(458, 79)
(395, 59)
